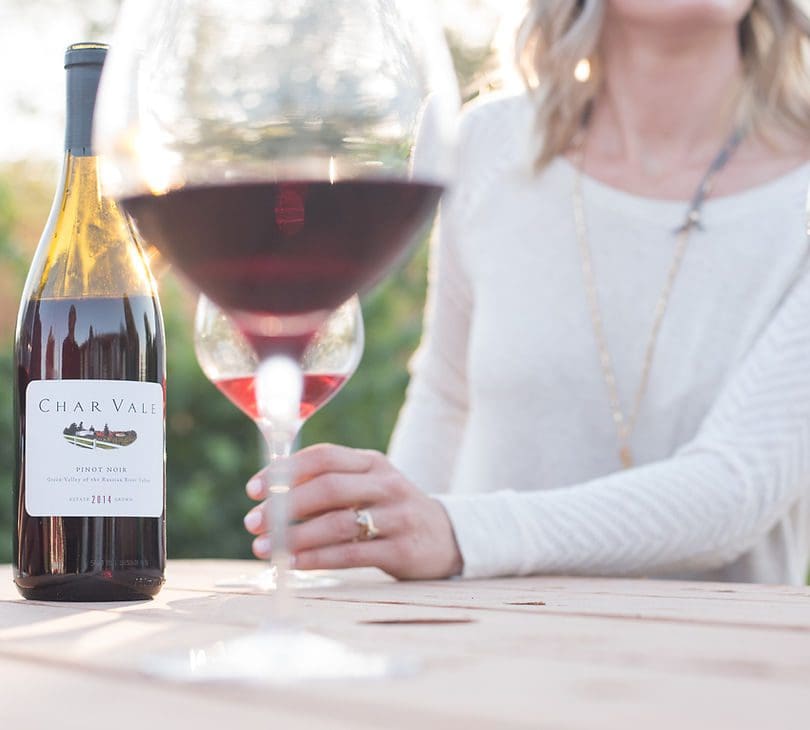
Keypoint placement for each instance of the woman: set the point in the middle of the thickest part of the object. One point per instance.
(615, 372)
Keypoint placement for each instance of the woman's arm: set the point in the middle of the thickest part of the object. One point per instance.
(702, 508)
(430, 428)
(431, 423)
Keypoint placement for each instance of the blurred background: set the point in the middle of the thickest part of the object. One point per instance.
(212, 448)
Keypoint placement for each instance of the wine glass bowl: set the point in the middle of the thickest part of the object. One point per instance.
(230, 362)
(286, 129)
(273, 90)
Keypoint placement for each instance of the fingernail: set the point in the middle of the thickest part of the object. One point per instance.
(261, 545)
(254, 488)
(252, 521)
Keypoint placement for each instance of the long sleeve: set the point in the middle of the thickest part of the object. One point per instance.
(428, 435)
(709, 503)
(431, 423)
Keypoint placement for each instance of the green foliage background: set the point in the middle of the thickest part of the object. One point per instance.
(212, 449)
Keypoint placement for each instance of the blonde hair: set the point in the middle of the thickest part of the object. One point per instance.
(556, 35)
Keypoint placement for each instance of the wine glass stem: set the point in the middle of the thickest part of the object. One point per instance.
(279, 386)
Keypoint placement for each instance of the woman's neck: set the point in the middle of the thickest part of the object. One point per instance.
(668, 99)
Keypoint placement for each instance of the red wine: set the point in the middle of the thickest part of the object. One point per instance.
(284, 248)
(88, 558)
(319, 388)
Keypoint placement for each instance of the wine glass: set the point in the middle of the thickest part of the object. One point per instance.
(266, 148)
(230, 363)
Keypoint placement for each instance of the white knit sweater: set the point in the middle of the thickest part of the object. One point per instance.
(507, 418)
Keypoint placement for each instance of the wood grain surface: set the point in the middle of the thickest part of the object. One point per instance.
(541, 652)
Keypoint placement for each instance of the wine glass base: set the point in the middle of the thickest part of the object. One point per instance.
(265, 581)
(276, 656)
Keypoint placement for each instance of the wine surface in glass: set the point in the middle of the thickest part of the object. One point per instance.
(285, 248)
(318, 389)
(88, 558)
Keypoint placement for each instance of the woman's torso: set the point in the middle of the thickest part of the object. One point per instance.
(539, 413)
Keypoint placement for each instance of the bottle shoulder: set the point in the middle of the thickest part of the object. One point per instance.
(88, 247)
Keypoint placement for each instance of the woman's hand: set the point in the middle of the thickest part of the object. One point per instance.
(331, 483)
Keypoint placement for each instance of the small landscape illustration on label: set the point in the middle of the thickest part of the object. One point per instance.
(90, 438)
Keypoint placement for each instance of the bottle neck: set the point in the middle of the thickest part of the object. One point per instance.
(82, 85)
(80, 181)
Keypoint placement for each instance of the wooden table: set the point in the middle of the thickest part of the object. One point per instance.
(562, 653)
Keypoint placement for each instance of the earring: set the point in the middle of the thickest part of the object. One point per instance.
(582, 71)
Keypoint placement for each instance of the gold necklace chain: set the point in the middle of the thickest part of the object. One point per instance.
(625, 423)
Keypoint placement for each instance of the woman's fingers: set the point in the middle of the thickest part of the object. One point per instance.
(323, 458)
(317, 460)
(325, 493)
(346, 555)
(337, 527)
(332, 528)
(334, 491)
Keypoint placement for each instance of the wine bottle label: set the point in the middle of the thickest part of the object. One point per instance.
(94, 448)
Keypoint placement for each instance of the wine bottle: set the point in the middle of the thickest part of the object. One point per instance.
(89, 486)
